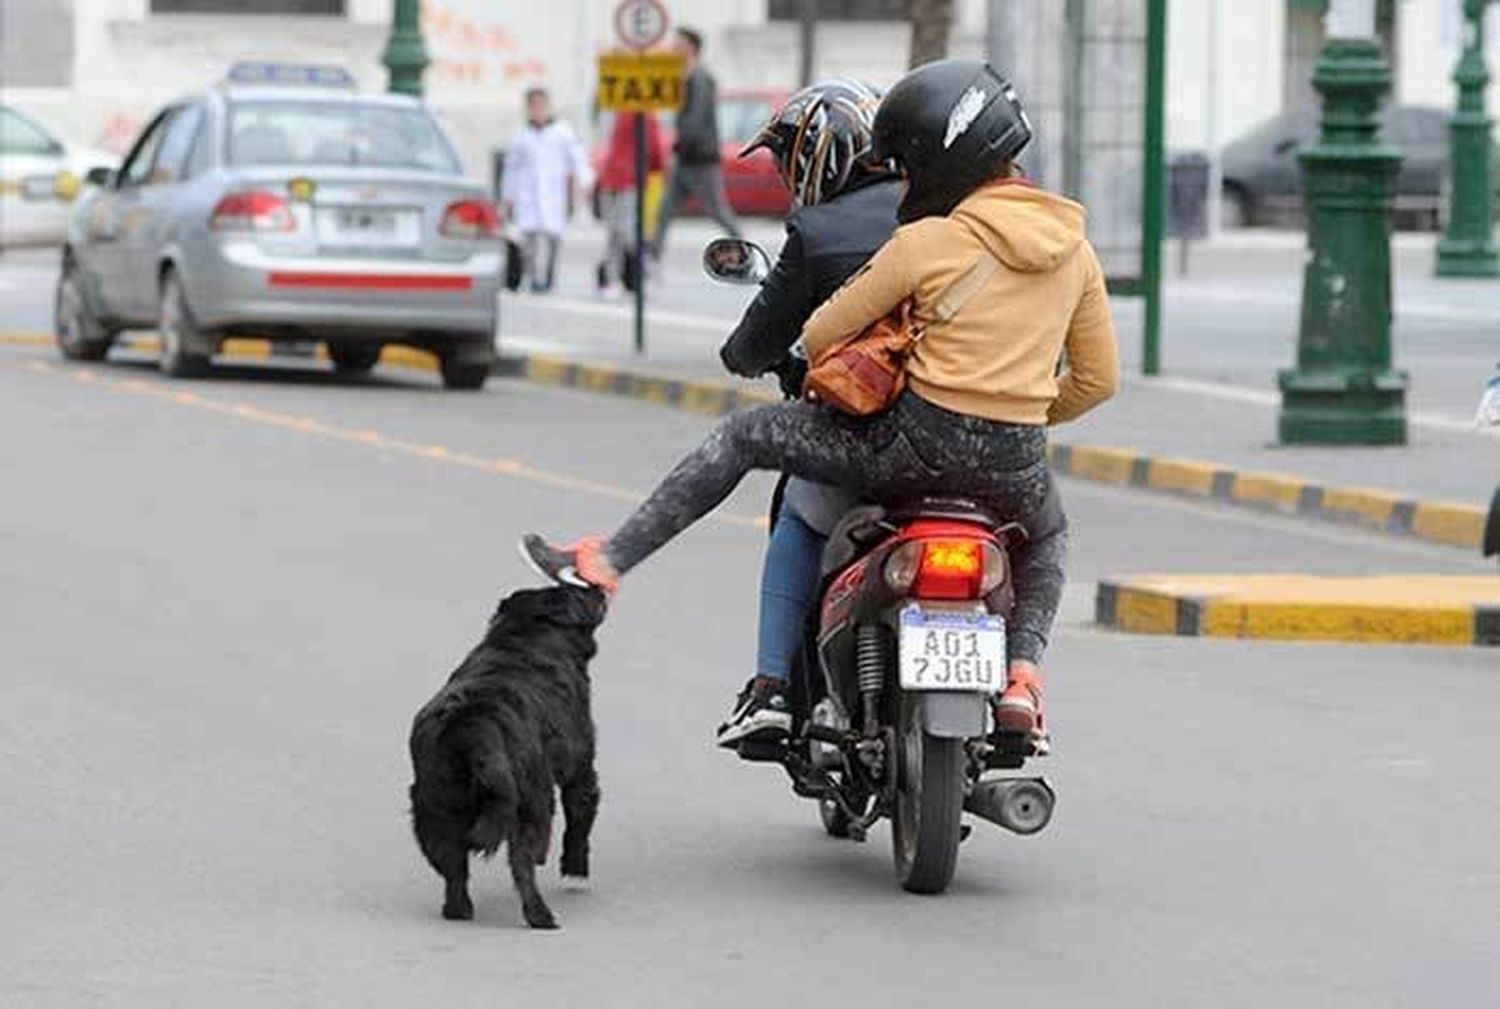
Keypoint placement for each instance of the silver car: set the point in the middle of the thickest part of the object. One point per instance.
(285, 206)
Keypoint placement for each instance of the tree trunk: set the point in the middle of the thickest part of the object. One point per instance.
(808, 37)
(931, 23)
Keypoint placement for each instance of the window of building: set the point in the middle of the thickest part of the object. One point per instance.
(842, 10)
(323, 7)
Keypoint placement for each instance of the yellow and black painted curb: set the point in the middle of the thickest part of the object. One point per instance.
(1457, 524)
(1452, 523)
(1393, 609)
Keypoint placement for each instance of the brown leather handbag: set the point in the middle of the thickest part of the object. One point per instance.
(864, 374)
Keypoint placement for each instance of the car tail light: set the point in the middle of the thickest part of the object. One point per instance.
(471, 219)
(252, 210)
(945, 568)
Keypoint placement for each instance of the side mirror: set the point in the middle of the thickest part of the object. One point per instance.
(100, 176)
(736, 261)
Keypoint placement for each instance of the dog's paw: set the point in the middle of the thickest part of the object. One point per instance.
(576, 884)
(539, 917)
(575, 865)
(459, 910)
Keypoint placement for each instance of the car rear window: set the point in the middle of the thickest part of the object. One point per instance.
(18, 135)
(336, 133)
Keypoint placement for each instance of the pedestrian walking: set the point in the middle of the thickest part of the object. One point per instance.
(617, 200)
(696, 169)
(544, 167)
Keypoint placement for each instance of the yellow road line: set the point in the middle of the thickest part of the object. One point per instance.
(366, 438)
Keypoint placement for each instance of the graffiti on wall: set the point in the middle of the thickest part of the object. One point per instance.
(472, 47)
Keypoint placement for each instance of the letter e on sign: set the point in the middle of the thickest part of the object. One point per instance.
(641, 24)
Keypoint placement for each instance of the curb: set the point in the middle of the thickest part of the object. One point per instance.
(1450, 523)
(1462, 611)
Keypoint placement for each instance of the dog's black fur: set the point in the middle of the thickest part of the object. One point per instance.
(512, 722)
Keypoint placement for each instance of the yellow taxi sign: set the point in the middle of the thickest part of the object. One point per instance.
(640, 82)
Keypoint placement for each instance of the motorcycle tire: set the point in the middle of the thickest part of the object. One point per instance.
(928, 808)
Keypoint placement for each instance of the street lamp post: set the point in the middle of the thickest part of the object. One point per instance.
(1343, 390)
(1468, 247)
(405, 55)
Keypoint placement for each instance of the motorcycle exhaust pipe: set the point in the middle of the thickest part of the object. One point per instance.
(1020, 805)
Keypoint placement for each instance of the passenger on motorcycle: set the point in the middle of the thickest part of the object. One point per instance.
(983, 384)
(845, 209)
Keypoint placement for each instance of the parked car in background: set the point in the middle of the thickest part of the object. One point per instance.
(753, 184)
(40, 176)
(282, 204)
(1263, 174)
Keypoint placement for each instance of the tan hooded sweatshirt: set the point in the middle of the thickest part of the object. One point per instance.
(997, 356)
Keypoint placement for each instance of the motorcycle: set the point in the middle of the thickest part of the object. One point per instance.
(891, 692)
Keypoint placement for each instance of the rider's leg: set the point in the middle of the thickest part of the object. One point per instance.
(1038, 579)
(788, 585)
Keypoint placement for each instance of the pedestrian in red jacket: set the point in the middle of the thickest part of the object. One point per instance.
(617, 199)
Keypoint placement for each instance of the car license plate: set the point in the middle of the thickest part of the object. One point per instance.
(366, 226)
(952, 651)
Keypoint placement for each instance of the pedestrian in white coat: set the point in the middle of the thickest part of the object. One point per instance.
(545, 166)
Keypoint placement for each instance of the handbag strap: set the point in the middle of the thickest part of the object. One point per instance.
(961, 290)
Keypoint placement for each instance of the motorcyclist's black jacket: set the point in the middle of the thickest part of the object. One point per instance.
(825, 245)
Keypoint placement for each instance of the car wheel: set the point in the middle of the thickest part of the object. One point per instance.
(1234, 210)
(80, 335)
(185, 349)
(354, 358)
(466, 364)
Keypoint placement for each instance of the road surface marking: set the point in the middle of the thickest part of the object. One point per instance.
(369, 438)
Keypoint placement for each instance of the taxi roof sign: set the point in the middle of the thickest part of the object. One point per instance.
(315, 75)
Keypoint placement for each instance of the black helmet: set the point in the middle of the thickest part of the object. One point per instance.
(821, 139)
(949, 126)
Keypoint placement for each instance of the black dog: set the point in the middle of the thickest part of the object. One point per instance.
(512, 722)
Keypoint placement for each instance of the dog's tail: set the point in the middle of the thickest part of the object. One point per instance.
(481, 742)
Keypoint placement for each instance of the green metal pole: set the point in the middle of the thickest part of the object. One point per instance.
(1468, 247)
(1154, 198)
(405, 55)
(1343, 390)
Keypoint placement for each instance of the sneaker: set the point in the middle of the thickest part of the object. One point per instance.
(581, 564)
(1019, 709)
(760, 712)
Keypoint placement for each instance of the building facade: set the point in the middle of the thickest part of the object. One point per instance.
(95, 69)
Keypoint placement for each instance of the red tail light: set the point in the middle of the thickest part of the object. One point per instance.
(471, 219)
(969, 568)
(252, 210)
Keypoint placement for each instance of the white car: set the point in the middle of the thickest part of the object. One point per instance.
(39, 179)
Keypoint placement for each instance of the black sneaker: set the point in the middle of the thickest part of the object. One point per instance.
(760, 713)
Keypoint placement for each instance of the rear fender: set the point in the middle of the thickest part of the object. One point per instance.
(948, 715)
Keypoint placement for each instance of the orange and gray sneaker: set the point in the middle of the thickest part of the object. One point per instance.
(1019, 709)
(583, 564)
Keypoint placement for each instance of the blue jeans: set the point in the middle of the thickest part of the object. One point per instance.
(788, 589)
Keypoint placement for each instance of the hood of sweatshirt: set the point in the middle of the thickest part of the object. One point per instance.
(1028, 229)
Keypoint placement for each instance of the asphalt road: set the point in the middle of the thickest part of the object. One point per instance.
(221, 602)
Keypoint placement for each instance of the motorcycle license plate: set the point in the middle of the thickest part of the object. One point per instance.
(952, 651)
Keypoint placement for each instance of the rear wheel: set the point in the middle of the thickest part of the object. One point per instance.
(353, 358)
(466, 365)
(1234, 209)
(929, 802)
(80, 335)
(185, 348)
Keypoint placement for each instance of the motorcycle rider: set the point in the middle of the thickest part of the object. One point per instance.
(983, 384)
(844, 209)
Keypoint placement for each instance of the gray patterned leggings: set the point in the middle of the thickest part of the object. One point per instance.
(913, 450)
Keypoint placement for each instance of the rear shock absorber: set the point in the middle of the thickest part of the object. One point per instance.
(871, 658)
